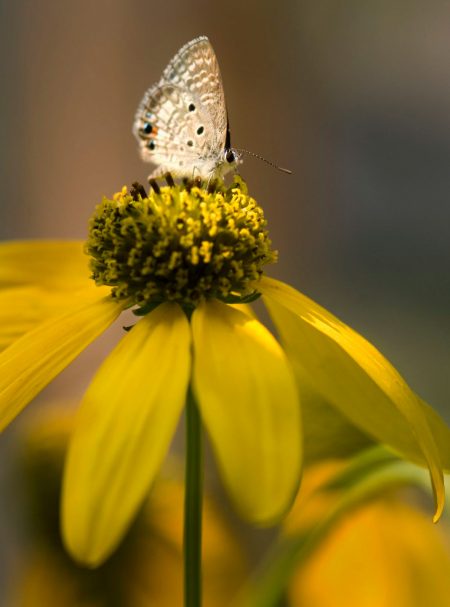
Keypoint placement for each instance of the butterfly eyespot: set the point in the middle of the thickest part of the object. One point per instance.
(190, 143)
(200, 130)
(147, 128)
(191, 107)
(151, 145)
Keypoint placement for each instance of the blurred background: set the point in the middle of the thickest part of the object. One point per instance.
(352, 96)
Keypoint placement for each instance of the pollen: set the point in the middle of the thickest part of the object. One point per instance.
(180, 244)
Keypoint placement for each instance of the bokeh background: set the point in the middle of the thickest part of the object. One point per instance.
(353, 96)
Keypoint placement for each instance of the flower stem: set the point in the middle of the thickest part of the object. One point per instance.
(193, 506)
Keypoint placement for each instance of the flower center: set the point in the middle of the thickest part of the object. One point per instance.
(179, 244)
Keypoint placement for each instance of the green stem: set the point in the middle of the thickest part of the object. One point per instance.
(193, 506)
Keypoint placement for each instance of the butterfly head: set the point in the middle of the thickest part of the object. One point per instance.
(231, 158)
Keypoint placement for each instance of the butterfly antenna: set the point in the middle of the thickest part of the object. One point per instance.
(272, 164)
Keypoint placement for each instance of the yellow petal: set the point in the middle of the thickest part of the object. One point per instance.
(327, 434)
(49, 263)
(37, 357)
(441, 433)
(249, 403)
(353, 376)
(20, 311)
(22, 308)
(124, 428)
(246, 308)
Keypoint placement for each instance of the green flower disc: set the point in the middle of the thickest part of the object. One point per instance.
(181, 244)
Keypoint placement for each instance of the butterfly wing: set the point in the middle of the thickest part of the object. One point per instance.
(181, 123)
(172, 137)
(195, 69)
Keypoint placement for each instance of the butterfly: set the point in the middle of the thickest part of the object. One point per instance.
(182, 123)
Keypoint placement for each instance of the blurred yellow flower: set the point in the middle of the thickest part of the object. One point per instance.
(185, 257)
(148, 567)
(383, 553)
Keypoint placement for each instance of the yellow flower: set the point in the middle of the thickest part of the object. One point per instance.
(384, 553)
(146, 570)
(185, 257)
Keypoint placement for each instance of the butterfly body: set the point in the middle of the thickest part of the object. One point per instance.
(181, 123)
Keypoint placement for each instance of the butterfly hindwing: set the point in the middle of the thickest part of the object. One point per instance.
(171, 136)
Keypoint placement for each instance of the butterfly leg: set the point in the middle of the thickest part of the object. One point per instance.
(154, 184)
(137, 189)
(160, 173)
(169, 179)
(212, 184)
(188, 183)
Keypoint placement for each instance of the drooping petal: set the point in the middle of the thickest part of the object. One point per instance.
(47, 263)
(441, 433)
(249, 403)
(327, 434)
(124, 428)
(353, 376)
(31, 362)
(22, 308)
